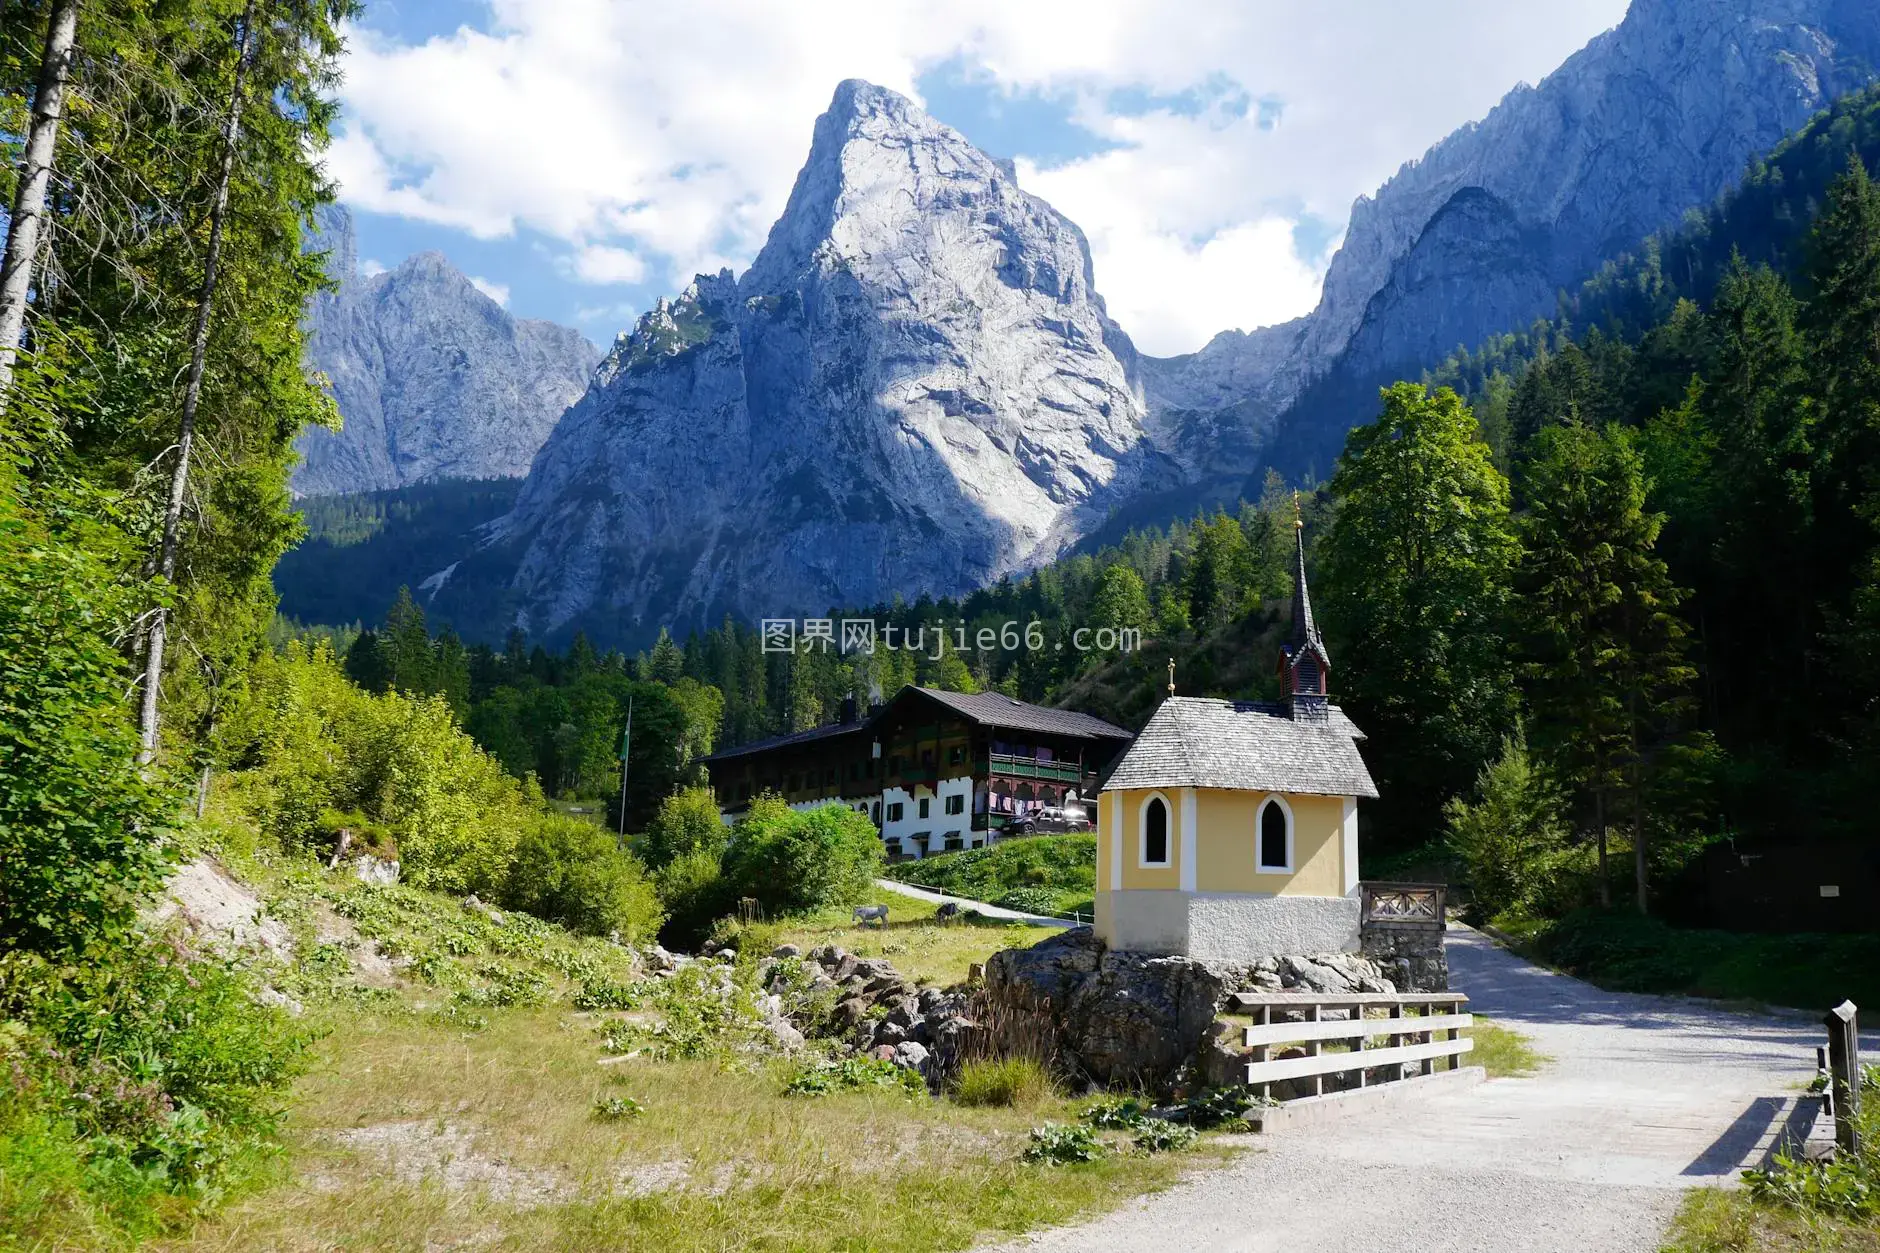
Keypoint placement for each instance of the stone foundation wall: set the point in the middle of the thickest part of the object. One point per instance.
(1409, 953)
(1227, 927)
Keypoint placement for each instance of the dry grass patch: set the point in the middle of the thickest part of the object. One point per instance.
(924, 949)
(414, 1136)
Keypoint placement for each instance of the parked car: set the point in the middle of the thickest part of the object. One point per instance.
(1053, 820)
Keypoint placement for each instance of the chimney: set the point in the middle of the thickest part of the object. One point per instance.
(847, 716)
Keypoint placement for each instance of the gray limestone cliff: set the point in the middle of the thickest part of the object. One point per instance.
(1481, 234)
(433, 379)
(914, 388)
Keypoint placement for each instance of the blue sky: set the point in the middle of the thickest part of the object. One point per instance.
(580, 158)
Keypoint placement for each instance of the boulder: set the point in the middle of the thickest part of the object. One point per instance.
(849, 1013)
(888, 1031)
(786, 950)
(1046, 974)
(912, 1056)
(1140, 1017)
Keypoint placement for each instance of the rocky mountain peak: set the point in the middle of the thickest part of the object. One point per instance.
(433, 379)
(912, 389)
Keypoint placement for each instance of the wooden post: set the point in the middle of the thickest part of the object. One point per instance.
(1262, 1052)
(1312, 1050)
(1844, 1074)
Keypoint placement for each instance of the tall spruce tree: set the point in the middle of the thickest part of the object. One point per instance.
(1607, 677)
(1414, 582)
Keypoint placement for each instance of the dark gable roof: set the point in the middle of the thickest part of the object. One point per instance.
(1194, 742)
(989, 709)
(782, 741)
(994, 709)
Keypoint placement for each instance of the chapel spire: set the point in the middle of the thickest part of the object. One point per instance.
(1306, 664)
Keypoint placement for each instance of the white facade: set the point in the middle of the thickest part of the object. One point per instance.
(949, 815)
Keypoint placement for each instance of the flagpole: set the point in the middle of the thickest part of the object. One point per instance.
(626, 750)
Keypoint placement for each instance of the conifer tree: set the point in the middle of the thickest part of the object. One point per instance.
(1607, 675)
(1414, 578)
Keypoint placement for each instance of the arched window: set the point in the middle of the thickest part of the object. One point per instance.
(1155, 832)
(1274, 833)
(877, 814)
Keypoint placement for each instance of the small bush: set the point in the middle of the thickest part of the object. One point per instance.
(616, 1109)
(572, 872)
(1846, 1187)
(850, 1073)
(1056, 1145)
(1158, 1136)
(144, 1074)
(1029, 900)
(694, 892)
(1507, 838)
(792, 861)
(1117, 1113)
(1010, 1082)
(1220, 1107)
(687, 823)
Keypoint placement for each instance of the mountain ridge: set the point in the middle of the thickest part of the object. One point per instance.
(433, 378)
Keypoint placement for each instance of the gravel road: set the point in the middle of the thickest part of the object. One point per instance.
(1643, 1097)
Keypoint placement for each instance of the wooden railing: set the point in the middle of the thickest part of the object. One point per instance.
(1404, 902)
(1416, 1040)
(1018, 767)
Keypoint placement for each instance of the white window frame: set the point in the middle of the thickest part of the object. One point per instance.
(1142, 833)
(1260, 865)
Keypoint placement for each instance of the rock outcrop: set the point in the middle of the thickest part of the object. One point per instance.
(914, 389)
(1653, 118)
(433, 379)
(1139, 1018)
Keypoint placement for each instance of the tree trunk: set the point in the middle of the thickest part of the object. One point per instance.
(1638, 834)
(192, 394)
(29, 199)
(1599, 824)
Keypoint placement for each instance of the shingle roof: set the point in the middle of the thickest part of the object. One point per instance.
(1195, 742)
(1305, 632)
(986, 708)
(994, 709)
(780, 741)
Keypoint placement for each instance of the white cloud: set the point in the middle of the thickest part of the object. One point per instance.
(666, 137)
(603, 263)
(499, 292)
(370, 268)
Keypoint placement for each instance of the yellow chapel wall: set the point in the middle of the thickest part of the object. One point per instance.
(1224, 843)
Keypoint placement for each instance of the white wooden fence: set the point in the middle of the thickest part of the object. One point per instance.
(1421, 1028)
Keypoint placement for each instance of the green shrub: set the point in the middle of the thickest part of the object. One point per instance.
(1220, 1107)
(687, 822)
(1509, 836)
(1159, 1136)
(574, 873)
(1060, 869)
(694, 893)
(79, 823)
(1117, 1113)
(850, 1073)
(1029, 900)
(1056, 1145)
(319, 746)
(1011, 1082)
(793, 861)
(616, 1109)
(144, 1074)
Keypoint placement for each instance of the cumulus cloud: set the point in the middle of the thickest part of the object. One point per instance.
(603, 263)
(370, 268)
(499, 292)
(652, 141)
